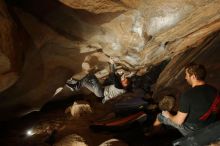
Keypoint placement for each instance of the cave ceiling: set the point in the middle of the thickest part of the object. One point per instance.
(45, 42)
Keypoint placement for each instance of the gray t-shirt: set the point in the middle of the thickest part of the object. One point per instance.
(111, 91)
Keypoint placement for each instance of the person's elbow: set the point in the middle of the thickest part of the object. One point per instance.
(180, 118)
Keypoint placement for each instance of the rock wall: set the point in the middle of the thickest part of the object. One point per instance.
(172, 79)
(12, 46)
(146, 34)
(44, 42)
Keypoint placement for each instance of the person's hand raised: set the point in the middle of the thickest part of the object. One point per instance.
(111, 60)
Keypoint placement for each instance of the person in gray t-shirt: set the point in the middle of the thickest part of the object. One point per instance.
(118, 86)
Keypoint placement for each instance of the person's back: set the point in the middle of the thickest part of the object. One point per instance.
(197, 101)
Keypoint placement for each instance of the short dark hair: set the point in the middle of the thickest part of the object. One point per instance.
(196, 69)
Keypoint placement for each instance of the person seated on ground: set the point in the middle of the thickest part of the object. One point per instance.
(167, 103)
(196, 105)
(119, 86)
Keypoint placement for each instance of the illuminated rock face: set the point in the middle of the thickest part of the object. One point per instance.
(70, 37)
(72, 140)
(146, 34)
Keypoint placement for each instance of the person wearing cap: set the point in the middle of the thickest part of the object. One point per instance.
(118, 86)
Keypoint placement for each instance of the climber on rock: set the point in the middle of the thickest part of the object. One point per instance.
(119, 84)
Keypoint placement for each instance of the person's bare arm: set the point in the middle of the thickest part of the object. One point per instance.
(179, 118)
(156, 123)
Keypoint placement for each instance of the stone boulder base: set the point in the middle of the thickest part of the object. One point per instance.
(79, 108)
(71, 140)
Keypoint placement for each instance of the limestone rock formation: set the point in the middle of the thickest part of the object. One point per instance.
(12, 45)
(172, 81)
(96, 6)
(45, 42)
(71, 140)
(153, 31)
(79, 108)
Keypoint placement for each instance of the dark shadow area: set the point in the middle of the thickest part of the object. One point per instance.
(52, 117)
(55, 14)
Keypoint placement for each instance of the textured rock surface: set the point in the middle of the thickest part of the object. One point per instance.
(71, 140)
(79, 108)
(71, 37)
(172, 81)
(96, 6)
(155, 30)
(12, 45)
